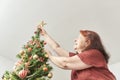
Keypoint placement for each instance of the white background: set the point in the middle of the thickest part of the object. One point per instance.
(64, 18)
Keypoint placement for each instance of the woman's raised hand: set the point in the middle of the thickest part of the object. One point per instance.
(42, 30)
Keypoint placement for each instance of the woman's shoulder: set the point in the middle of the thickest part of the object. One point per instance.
(93, 57)
(92, 51)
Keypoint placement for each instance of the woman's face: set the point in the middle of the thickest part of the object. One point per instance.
(80, 43)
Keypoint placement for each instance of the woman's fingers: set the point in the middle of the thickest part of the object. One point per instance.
(48, 52)
(42, 31)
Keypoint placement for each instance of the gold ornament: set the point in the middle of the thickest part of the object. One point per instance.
(46, 55)
(35, 56)
(21, 52)
(27, 64)
(50, 75)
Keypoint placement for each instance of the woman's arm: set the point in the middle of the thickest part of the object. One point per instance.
(68, 63)
(56, 47)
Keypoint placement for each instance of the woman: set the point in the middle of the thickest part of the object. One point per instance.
(90, 61)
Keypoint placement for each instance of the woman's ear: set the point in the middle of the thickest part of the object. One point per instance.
(87, 43)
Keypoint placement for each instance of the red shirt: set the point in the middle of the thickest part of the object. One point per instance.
(99, 69)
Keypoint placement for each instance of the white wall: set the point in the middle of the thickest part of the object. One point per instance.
(64, 18)
(115, 68)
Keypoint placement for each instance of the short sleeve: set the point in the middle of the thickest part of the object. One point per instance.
(93, 57)
(71, 54)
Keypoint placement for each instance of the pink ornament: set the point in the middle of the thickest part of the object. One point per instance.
(44, 43)
(41, 59)
(30, 57)
(23, 74)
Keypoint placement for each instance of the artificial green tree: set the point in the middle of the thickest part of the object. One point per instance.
(33, 61)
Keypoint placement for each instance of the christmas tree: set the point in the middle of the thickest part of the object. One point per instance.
(33, 61)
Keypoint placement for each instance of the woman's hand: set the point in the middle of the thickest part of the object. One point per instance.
(42, 30)
(48, 52)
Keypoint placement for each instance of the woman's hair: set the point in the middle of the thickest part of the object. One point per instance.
(95, 42)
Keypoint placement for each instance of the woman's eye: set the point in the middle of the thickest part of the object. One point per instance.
(75, 40)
